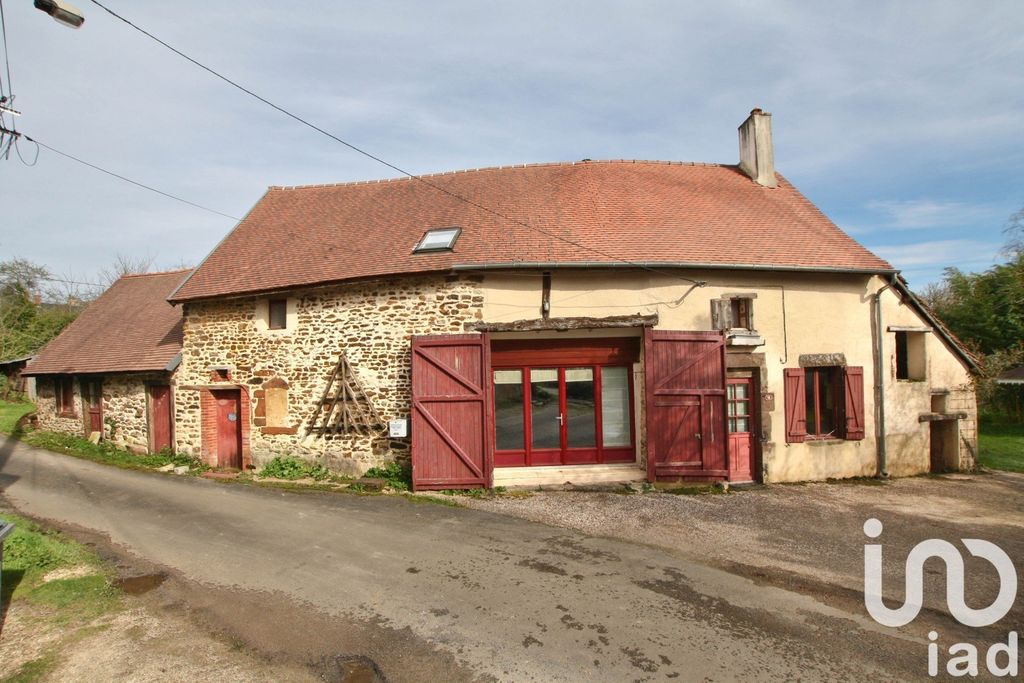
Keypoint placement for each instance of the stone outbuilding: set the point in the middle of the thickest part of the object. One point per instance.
(111, 371)
(587, 321)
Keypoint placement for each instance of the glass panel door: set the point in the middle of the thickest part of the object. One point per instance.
(509, 422)
(616, 425)
(546, 409)
(580, 408)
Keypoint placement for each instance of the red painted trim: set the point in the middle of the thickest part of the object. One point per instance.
(565, 352)
(566, 455)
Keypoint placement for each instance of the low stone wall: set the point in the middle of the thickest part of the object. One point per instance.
(283, 373)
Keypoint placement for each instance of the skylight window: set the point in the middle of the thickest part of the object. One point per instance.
(438, 239)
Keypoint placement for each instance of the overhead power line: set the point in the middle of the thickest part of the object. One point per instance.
(121, 177)
(394, 167)
(7, 59)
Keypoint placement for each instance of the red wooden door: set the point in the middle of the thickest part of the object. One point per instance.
(451, 412)
(740, 408)
(229, 429)
(684, 374)
(160, 416)
(92, 396)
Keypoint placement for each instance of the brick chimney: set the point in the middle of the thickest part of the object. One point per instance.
(757, 159)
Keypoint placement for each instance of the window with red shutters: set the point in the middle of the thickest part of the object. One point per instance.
(824, 403)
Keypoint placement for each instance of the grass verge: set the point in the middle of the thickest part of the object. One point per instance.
(1001, 445)
(104, 452)
(10, 413)
(62, 584)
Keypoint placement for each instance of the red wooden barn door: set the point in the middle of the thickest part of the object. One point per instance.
(451, 412)
(685, 390)
(160, 416)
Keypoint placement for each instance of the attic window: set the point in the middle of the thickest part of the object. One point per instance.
(439, 239)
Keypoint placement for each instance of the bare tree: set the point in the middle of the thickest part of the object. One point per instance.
(125, 264)
(1015, 233)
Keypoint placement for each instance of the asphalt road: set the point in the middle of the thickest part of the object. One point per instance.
(437, 593)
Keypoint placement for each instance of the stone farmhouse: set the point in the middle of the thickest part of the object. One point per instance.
(537, 324)
(110, 372)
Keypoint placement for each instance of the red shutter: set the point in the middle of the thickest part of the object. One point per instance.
(854, 403)
(451, 412)
(684, 376)
(796, 406)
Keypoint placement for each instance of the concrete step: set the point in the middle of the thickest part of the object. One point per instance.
(572, 474)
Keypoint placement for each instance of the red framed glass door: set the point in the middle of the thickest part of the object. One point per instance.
(563, 415)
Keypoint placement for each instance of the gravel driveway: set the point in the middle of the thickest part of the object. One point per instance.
(806, 537)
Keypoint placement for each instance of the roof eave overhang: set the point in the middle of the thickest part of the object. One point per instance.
(79, 371)
(691, 265)
(535, 265)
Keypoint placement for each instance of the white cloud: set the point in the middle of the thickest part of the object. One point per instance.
(927, 213)
(961, 253)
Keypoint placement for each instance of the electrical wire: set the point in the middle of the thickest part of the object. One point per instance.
(127, 180)
(7, 59)
(35, 159)
(398, 169)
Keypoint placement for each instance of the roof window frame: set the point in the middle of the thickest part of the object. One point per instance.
(449, 246)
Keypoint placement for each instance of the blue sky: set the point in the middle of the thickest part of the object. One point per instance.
(903, 121)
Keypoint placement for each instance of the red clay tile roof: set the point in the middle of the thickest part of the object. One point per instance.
(640, 211)
(129, 328)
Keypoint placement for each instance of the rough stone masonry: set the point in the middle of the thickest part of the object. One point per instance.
(283, 373)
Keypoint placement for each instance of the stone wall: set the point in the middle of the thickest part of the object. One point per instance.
(125, 410)
(372, 323)
(964, 400)
(46, 409)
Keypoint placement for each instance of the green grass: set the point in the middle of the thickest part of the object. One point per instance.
(104, 452)
(1001, 445)
(30, 553)
(10, 413)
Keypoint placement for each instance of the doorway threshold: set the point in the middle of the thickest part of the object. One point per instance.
(619, 473)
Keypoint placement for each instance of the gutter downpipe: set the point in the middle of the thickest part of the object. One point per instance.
(883, 468)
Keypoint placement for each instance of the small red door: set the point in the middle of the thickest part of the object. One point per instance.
(160, 416)
(92, 396)
(229, 429)
(742, 429)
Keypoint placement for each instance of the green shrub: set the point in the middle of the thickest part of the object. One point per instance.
(285, 467)
(397, 475)
(290, 467)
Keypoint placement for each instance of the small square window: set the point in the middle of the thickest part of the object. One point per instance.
(910, 356)
(278, 315)
(741, 313)
(439, 239)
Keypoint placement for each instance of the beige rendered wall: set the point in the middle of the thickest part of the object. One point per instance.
(795, 313)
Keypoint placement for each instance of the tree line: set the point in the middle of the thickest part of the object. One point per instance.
(986, 311)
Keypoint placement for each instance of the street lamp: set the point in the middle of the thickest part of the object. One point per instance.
(62, 12)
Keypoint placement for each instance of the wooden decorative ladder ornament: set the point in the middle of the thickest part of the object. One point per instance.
(344, 407)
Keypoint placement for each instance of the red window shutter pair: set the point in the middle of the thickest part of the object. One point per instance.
(796, 406)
